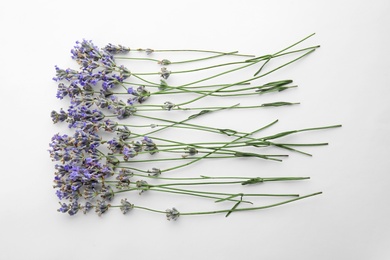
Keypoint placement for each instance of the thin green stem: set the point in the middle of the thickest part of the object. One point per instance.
(235, 53)
(248, 209)
(208, 154)
(248, 80)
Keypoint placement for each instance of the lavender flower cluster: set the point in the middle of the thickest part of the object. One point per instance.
(82, 168)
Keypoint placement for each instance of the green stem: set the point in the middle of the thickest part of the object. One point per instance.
(248, 209)
(218, 108)
(235, 53)
(208, 154)
(230, 194)
(248, 80)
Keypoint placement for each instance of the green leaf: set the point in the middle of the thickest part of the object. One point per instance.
(253, 181)
(199, 114)
(278, 104)
(228, 132)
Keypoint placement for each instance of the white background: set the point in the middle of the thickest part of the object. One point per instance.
(346, 81)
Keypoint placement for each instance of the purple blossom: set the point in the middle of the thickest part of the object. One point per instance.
(87, 207)
(116, 49)
(74, 208)
(101, 207)
(58, 117)
(64, 208)
(128, 152)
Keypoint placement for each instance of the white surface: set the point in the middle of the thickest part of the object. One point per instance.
(346, 81)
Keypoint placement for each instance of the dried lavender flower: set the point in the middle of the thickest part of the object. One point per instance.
(172, 214)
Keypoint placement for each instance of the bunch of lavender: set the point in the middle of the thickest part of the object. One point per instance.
(95, 169)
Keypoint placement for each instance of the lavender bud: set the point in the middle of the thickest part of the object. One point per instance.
(126, 206)
(172, 214)
(168, 105)
(165, 73)
(164, 62)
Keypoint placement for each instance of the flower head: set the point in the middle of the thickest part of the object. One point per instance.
(64, 208)
(116, 49)
(172, 214)
(126, 206)
(101, 207)
(154, 172)
(87, 207)
(165, 73)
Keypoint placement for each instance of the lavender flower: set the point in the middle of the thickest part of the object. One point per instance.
(58, 117)
(124, 72)
(107, 193)
(150, 146)
(74, 208)
(126, 206)
(155, 172)
(128, 152)
(140, 95)
(142, 186)
(165, 73)
(172, 214)
(109, 125)
(168, 105)
(123, 178)
(87, 207)
(116, 49)
(124, 133)
(101, 207)
(116, 146)
(64, 208)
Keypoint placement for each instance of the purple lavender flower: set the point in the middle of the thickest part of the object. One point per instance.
(124, 133)
(124, 72)
(62, 91)
(58, 117)
(138, 145)
(115, 146)
(107, 193)
(74, 208)
(68, 74)
(87, 207)
(141, 94)
(126, 206)
(116, 49)
(109, 125)
(123, 178)
(131, 91)
(125, 112)
(128, 152)
(84, 51)
(150, 146)
(61, 194)
(64, 208)
(110, 81)
(83, 114)
(101, 207)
